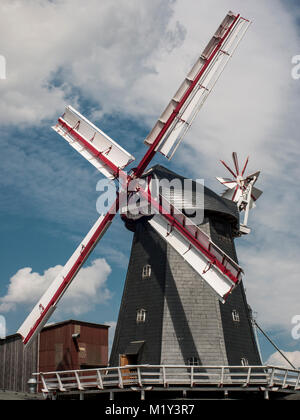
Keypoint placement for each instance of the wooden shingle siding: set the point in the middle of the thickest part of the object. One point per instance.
(16, 364)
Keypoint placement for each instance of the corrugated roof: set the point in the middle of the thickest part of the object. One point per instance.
(73, 321)
(59, 324)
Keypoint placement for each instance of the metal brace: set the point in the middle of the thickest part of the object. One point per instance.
(189, 248)
(93, 138)
(106, 151)
(76, 126)
(207, 268)
(180, 119)
(225, 52)
(169, 233)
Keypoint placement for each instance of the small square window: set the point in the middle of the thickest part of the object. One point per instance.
(235, 316)
(141, 315)
(193, 361)
(146, 271)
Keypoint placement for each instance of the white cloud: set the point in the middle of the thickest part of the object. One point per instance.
(2, 327)
(101, 48)
(272, 277)
(130, 57)
(58, 52)
(276, 359)
(88, 288)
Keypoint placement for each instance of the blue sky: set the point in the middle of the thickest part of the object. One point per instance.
(120, 70)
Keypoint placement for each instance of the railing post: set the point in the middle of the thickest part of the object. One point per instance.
(285, 379)
(45, 388)
(248, 376)
(222, 377)
(80, 387)
(297, 382)
(100, 386)
(271, 384)
(192, 376)
(164, 376)
(121, 385)
(61, 388)
(139, 376)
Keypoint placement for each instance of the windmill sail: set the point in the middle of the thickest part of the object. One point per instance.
(47, 304)
(92, 143)
(219, 271)
(178, 116)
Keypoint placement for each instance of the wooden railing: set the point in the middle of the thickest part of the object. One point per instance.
(165, 376)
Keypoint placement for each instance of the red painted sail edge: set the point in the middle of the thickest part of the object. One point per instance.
(75, 268)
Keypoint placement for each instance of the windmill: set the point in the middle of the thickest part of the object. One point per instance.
(215, 267)
(241, 189)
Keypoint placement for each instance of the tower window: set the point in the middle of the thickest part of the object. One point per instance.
(193, 361)
(235, 316)
(244, 362)
(146, 271)
(141, 315)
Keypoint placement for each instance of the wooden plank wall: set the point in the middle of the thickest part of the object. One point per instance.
(17, 364)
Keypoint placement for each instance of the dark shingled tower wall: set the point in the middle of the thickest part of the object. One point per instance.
(185, 321)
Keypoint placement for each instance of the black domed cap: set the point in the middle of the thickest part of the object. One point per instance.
(213, 203)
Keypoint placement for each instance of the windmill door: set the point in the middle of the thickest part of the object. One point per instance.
(125, 360)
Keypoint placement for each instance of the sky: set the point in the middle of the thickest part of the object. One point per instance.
(119, 63)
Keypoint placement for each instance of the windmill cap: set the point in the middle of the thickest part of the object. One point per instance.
(212, 201)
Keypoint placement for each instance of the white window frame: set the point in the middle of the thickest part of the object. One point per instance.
(141, 316)
(193, 361)
(235, 316)
(146, 274)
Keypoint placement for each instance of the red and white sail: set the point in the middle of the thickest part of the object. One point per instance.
(48, 302)
(92, 143)
(178, 116)
(216, 268)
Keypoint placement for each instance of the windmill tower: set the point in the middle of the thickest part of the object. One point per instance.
(168, 314)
